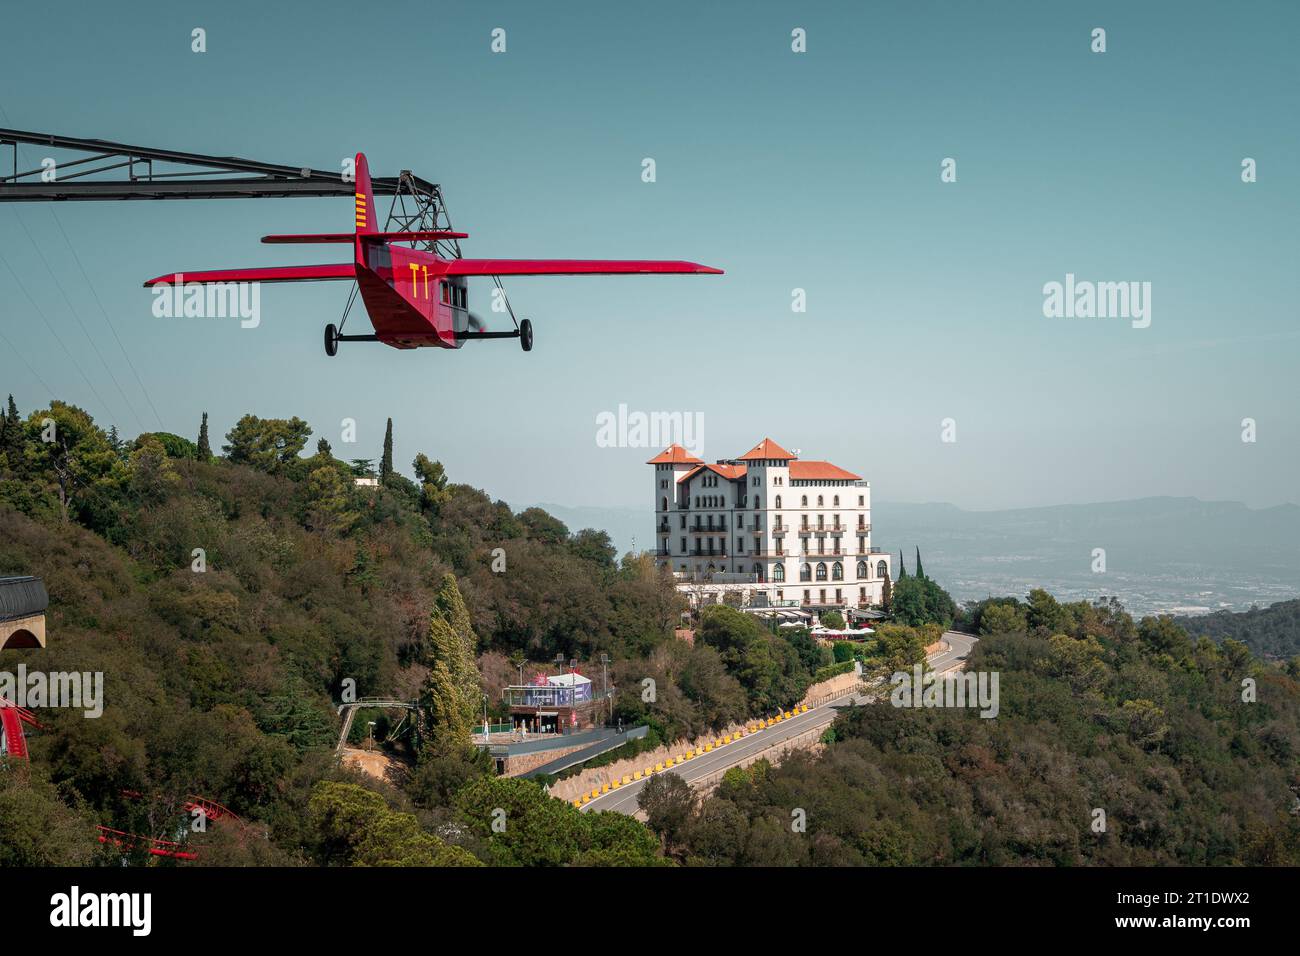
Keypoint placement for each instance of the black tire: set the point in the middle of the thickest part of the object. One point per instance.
(526, 335)
(331, 340)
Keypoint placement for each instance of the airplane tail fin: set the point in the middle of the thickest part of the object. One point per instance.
(365, 198)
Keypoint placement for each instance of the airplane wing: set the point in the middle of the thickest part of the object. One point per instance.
(422, 235)
(344, 270)
(575, 267)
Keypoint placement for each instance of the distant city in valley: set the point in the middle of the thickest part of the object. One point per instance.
(1163, 555)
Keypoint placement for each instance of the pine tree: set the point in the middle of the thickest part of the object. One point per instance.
(323, 448)
(451, 694)
(205, 449)
(902, 568)
(11, 444)
(919, 572)
(386, 463)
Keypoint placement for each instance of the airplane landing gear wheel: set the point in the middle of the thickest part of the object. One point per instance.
(331, 340)
(526, 335)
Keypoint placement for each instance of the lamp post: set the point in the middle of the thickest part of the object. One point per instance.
(370, 725)
(573, 692)
(604, 688)
(559, 666)
(487, 730)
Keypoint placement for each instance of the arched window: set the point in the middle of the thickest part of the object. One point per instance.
(805, 501)
(837, 571)
(836, 501)
(758, 571)
(819, 501)
(864, 570)
(882, 569)
(758, 502)
(778, 501)
(663, 505)
(778, 573)
(821, 570)
(805, 572)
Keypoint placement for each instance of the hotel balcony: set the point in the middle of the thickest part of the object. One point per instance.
(707, 553)
(707, 529)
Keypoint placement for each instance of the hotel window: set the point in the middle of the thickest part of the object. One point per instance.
(805, 573)
(683, 544)
(778, 501)
(780, 595)
(881, 569)
(740, 545)
(805, 501)
(819, 501)
(837, 571)
(663, 504)
(839, 596)
(864, 569)
(807, 596)
(862, 501)
(778, 572)
(862, 595)
(821, 570)
(822, 596)
(835, 502)
(683, 522)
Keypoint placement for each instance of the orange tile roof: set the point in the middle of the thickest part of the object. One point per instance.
(730, 472)
(766, 449)
(820, 471)
(675, 455)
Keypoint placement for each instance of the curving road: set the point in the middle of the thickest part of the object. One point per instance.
(623, 799)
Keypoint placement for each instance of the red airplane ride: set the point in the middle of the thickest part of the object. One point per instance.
(416, 298)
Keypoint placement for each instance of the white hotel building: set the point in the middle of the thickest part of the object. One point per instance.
(780, 530)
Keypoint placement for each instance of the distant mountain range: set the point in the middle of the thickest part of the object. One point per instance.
(1176, 555)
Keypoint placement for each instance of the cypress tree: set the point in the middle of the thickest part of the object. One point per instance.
(451, 694)
(919, 572)
(886, 593)
(205, 449)
(386, 463)
(902, 568)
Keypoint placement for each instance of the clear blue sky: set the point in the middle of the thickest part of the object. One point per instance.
(818, 170)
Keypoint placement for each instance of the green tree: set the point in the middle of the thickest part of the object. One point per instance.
(70, 446)
(204, 448)
(522, 824)
(386, 462)
(353, 826)
(919, 572)
(266, 444)
(834, 620)
(433, 483)
(669, 804)
(452, 691)
(902, 568)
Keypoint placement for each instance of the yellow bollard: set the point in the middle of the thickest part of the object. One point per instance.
(727, 739)
(585, 798)
(626, 780)
(648, 771)
(668, 762)
(577, 803)
(637, 775)
(708, 747)
(690, 754)
(595, 794)
(616, 783)
(803, 708)
(658, 767)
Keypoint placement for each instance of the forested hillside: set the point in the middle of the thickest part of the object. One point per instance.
(229, 599)
(1098, 715)
(1272, 632)
(231, 596)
